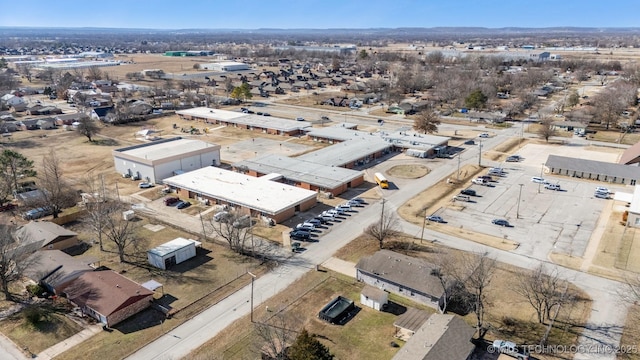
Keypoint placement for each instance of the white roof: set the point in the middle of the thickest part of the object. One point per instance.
(634, 208)
(165, 148)
(347, 151)
(255, 193)
(172, 246)
(265, 122)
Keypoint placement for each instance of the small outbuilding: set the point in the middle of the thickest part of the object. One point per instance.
(172, 253)
(373, 297)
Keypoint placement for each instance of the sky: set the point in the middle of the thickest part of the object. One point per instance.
(317, 14)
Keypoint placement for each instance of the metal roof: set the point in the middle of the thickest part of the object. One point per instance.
(172, 246)
(593, 167)
(324, 176)
(162, 149)
(347, 151)
(259, 121)
(255, 193)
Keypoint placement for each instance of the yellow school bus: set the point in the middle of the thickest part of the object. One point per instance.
(381, 180)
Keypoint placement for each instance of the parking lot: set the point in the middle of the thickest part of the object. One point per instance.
(545, 220)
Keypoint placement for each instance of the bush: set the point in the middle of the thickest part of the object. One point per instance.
(36, 290)
(34, 315)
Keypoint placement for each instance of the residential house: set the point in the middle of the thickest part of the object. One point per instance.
(45, 235)
(408, 323)
(46, 124)
(43, 110)
(108, 296)
(441, 337)
(54, 269)
(10, 100)
(403, 275)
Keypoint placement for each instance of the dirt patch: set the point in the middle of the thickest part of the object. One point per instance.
(408, 171)
(502, 151)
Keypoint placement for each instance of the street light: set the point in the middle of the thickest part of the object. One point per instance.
(480, 152)
(540, 183)
(253, 277)
(458, 173)
(518, 205)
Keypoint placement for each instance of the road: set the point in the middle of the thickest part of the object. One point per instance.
(604, 324)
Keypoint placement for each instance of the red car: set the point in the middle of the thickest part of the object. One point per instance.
(170, 201)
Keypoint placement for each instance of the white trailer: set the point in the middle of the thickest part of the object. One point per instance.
(173, 252)
(417, 153)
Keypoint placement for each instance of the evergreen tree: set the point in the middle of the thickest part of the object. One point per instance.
(306, 347)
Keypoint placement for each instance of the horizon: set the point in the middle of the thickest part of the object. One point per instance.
(320, 15)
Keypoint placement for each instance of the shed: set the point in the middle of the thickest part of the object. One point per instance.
(373, 297)
(336, 310)
(173, 252)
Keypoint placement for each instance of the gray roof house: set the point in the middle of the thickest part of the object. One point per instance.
(441, 337)
(54, 269)
(39, 235)
(403, 275)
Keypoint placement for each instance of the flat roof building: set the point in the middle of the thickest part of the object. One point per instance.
(304, 174)
(265, 124)
(358, 151)
(594, 170)
(160, 159)
(245, 193)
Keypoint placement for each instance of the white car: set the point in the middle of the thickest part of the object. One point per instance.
(539, 180)
(145, 185)
(305, 225)
(555, 187)
(601, 189)
(479, 181)
(484, 135)
(330, 213)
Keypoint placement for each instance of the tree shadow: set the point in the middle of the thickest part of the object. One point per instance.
(394, 308)
(143, 320)
(104, 142)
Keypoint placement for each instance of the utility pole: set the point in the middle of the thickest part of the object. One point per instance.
(382, 216)
(541, 171)
(480, 153)
(204, 231)
(518, 206)
(424, 223)
(458, 173)
(253, 277)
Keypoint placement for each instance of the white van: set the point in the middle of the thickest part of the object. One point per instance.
(461, 197)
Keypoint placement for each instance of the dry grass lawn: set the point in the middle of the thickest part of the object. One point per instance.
(55, 327)
(631, 334)
(409, 171)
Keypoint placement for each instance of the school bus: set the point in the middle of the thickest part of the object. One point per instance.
(381, 180)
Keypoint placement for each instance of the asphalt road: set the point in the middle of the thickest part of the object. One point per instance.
(604, 326)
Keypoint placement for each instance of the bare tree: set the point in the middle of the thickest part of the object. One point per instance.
(608, 105)
(13, 261)
(235, 229)
(87, 127)
(57, 193)
(475, 271)
(276, 335)
(387, 226)
(99, 207)
(546, 129)
(427, 121)
(94, 73)
(121, 232)
(543, 290)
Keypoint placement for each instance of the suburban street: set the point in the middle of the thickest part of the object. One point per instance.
(604, 325)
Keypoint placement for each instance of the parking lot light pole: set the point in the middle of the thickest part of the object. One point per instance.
(253, 277)
(480, 153)
(518, 206)
(541, 171)
(458, 173)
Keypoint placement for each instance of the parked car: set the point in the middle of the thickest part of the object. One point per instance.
(221, 216)
(305, 225)
(145, 185)
(345, 207)
(602, 190)
(435, 218)
(469, 142)
(339, 210)
(266, 114)
(183, 204)
(315, 222)
(299, 119)
(359, 200)
(500, 222)
(299, 235)
(170, 201)
(479, 181)
(601, 195)
(486, 178)
(331, 213)
(539, 180)
(555, 187)
(484, 135)
(513, 158)
(462, 198)
(242, 222)
(469, 192)
(36, 213)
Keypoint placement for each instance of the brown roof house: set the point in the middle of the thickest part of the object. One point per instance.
(108, 296)
(441, 337)
(54, 269)
(403, 275)
(45, 235)
(631, 156)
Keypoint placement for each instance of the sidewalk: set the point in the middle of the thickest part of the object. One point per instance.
(341, 266)
(67, 344)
